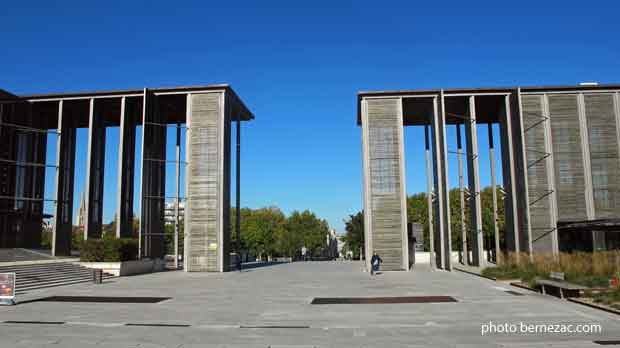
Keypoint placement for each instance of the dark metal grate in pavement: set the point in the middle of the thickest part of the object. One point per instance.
(382, 300)
(608, 342)
(34, 322)
(514, 293)
(157, 324)
(100, 299)
(274, 327)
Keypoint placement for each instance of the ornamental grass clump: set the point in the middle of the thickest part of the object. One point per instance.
(589, 269)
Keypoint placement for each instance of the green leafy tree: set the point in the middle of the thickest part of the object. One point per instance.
(305, 229)
(261, 229)
(417, 211)
(354, 237)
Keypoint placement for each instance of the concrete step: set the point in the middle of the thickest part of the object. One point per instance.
(26, 281)
(51, 285)
(47, 275)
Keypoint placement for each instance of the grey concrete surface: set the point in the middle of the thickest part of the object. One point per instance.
(221, 310)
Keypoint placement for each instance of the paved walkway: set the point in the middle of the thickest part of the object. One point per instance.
(270, 306)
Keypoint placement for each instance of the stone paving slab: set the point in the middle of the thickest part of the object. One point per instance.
(270, 306)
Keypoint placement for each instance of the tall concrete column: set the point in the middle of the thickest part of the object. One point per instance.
(440, 167)
(385, 199)
(473, 176)
(65, 173)
(94, 172)
(518, 233)
(429, 197)
(207, 207)
(126, 167)
(238, 193)
(498, 252)
(459, 154)
(152, 242)
(177, 192)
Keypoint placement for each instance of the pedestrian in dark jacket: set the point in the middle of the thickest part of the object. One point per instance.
(375, 262)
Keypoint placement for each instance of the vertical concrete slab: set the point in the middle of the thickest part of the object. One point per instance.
(494, 194)
(459, 154)
(126, 167)
(385, 198)
(473, 176)
(541, 191)
(94, 172)
(509, 179)
(440, 168)
(600, 116)
(206, 232)
(585, 155)
(429, 196)
(65, 173)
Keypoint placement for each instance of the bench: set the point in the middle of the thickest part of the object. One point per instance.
(557, 281)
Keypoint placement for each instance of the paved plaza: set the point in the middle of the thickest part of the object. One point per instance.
(270, 307)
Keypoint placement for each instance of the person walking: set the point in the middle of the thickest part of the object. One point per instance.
(375, 262)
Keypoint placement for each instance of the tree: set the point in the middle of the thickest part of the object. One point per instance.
(260, 230)
(417, 211)
(354, 237)
(305, 229)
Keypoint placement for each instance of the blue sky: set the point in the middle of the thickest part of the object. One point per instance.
(298, 66)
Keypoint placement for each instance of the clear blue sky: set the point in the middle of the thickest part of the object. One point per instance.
(298, 66)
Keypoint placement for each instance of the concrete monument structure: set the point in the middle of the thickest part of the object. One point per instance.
(206, 112)
(560, 155)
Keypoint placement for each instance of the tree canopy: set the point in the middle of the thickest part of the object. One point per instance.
(269, 232)
(417, 212)
(354, 237)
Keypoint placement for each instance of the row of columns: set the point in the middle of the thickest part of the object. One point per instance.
(438, 196)
(154, 132)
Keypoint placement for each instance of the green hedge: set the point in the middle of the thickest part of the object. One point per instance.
(109, 250)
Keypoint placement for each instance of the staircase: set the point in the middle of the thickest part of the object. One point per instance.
(48, 274)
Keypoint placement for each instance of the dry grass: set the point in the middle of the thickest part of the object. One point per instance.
(590, 269)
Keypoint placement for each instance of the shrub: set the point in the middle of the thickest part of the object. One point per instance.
(108, 250)
(91, 250)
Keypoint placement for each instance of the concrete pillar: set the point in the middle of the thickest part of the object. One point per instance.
(65, 173)
(551, 187)
(429, 197)
(177, 192)
(385, 206)
(94, 172)
(440, 168)
(498, 252)
(126, 167)
(459, 154)
(238, 193)
(510, 187)
(473, 176)
(153, 178)
(207, 207)
(518, 232)
(617, 108)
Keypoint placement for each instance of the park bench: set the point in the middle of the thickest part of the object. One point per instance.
(558, 282)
